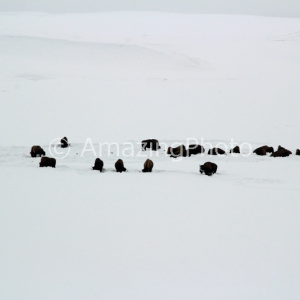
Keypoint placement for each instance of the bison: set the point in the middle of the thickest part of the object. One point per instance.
(195, 149)
(98, 165)
(37, 151)
(119, 165)
(216, 151)
(148, 166)
(282, 148)
(177, 151)
(64, 142)
(208, 168)
(263, 150)
(151, 144)
(48, 162)
(260, 152)
(297, 152)
(236, 149)
(281, 153)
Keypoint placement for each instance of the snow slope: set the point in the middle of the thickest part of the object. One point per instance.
(167, 76)
(73, 233)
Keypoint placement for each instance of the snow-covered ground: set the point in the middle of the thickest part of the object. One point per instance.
(73, 233)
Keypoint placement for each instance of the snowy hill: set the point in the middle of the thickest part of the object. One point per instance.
(73, 233)
(168, 76)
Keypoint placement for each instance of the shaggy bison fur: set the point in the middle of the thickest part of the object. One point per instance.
(263, 150)
(119, 165)
(98, 165)
(208, 168)
(37, 151)
(195, 149)
(236, 149)
(177, 151)
(216, 151)
(151, 144)
(64, 142)
(148, 166)
(48, 162)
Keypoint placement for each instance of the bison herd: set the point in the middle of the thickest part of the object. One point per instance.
(281, 151)
(119, 165)
(208, 168)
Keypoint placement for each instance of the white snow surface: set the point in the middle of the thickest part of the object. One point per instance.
(173, 234)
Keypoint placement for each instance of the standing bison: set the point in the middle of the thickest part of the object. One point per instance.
(148, 166)
(119, 165)
(297, 152)
(208, 168)
(64, 142)
(98, 165)
(37, 151)
(151, 144)
(48, 162)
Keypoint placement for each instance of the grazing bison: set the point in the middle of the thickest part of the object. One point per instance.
(64, 142)
(148, 166)
(208, 168)
(151, 144)
(236, 149)
(48, 162)
(281, 153)
(282, 148)
(216, 151)
(195, 149)
(119, 165)
(177, 151)
(98, 165)
(263, 150)
(37, 151)
(297, 152)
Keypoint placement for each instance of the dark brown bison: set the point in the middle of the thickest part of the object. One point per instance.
(177, 151)
(260, 151)
(98, 165)
(216, 151)
(282, 148)
(297, 152)
(148, 166)
(48, 162)
(263, 150)
(64, 142)
(195, 149)
(208, 168)
(281, 153)
(119, 165)
(37, 151)
(236, 149)
(151, 144)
